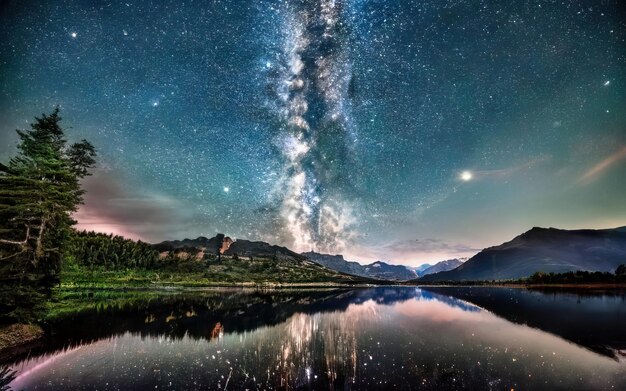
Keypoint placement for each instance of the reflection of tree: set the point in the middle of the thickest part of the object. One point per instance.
(6, 376)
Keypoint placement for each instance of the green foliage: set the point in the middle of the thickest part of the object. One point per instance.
(39, 190)
(111, 252)
(578, 277)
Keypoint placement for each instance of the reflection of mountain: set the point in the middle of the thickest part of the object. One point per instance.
(449, 300)
(546, 250)
(587, 319)
(207, 315)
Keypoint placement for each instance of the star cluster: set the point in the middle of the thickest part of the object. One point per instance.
(363, 127)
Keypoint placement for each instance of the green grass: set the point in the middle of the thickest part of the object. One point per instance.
(228, 272)
(68, 301)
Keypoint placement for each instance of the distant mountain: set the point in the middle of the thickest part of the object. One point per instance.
(443, 266)
(378, 269)
(419, 269)
(257, 262)
(546, 250)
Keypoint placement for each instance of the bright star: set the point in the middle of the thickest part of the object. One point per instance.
(606, 83)
(74, 34)
(466, 176)
(226, 189)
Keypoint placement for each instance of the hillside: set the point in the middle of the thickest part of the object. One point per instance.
(546, 250)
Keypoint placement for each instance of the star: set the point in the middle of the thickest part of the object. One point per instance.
(226, 189)
(74, 34)
(466, 176)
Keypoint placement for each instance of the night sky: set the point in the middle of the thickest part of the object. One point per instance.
(409, 131)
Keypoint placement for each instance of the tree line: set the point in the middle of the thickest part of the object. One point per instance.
(579, 277)
(93, 249)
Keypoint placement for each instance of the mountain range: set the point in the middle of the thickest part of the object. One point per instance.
(539, 249)
(543, 249)
(379, 269)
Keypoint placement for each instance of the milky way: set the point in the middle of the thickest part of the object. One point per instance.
(309, 85)
(402, 130)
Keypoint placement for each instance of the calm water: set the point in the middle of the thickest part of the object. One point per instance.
(380, 338)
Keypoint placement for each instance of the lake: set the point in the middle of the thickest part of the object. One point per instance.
(378, 338)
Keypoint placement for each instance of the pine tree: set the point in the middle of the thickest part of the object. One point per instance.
(39, 190)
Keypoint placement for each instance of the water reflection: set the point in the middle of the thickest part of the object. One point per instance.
(594, 319)
(403, 338)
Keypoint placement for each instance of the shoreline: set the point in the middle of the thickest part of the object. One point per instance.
(532, 286)
(314, 285)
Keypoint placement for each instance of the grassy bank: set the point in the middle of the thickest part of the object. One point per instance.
(228, 272)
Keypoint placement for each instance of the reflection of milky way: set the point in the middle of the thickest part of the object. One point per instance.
(309, 84)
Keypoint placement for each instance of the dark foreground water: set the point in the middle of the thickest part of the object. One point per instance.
(380, 338)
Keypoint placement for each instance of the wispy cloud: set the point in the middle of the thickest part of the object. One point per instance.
(502, 173)
(429, 245)
(602, 166)
(112, 208)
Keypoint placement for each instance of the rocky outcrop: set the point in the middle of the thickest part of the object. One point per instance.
(224, 245)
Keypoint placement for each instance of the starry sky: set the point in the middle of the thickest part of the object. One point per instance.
(409, 131)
